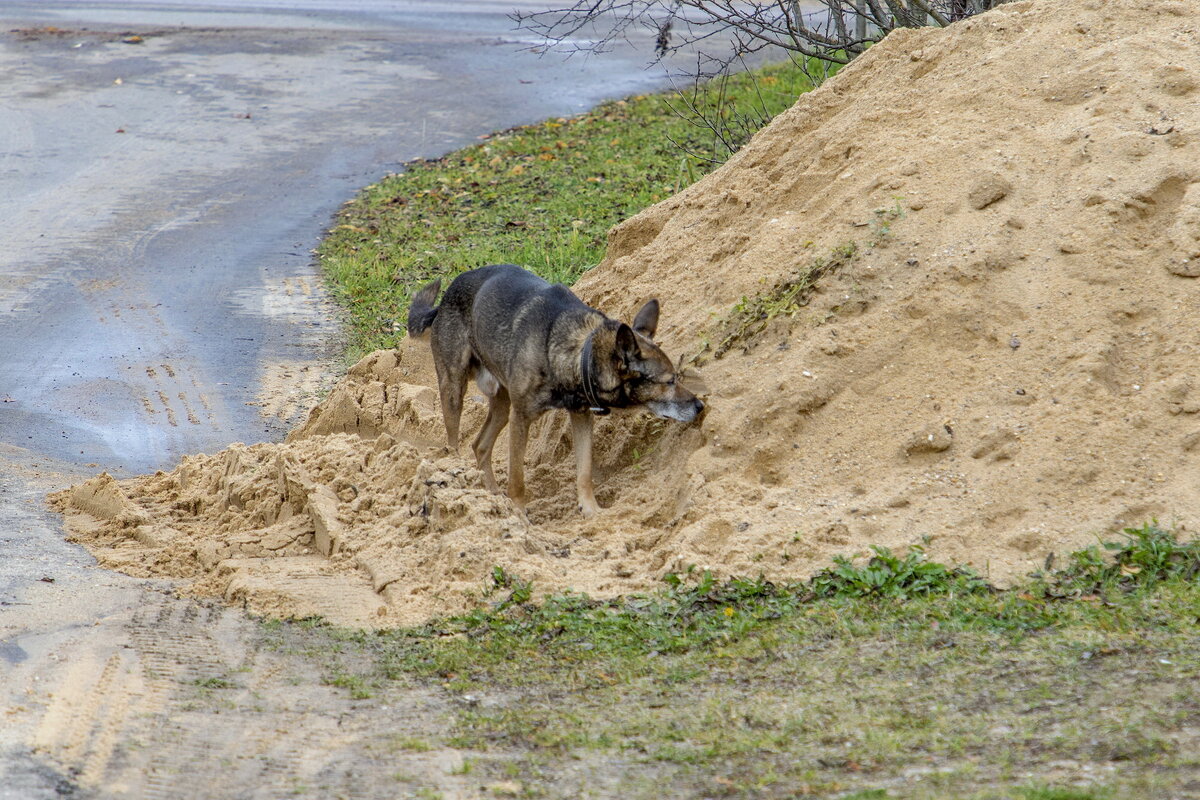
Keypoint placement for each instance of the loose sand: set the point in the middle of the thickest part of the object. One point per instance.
(1009, 365)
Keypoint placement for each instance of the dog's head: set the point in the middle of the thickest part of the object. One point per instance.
(643, 372)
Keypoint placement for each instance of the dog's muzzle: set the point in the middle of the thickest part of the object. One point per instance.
(684, 412)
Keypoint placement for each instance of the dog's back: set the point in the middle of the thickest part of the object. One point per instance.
(510, 286)
(513, 321)
(502, 310)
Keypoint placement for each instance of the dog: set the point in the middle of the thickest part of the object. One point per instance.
(532, 347)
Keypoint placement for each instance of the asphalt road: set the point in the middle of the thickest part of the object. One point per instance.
(159, 201)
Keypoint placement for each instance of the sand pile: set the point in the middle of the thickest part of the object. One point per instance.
(1002, 354)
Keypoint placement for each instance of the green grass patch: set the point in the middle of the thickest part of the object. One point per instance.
(543, 196)
(873, 669)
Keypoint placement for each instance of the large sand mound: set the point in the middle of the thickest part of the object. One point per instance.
(1007, 365)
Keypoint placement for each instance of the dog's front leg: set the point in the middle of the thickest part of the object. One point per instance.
(581, 439)
(518, 436)
(497, 418)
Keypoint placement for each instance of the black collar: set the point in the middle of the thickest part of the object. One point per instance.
(587, 375)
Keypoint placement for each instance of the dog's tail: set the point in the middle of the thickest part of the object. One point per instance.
(422, 310)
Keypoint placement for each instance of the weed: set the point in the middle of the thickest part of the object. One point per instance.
(888, 575)
(881, 225)
(750, 317)
(410, 744)
(520, 591)
(358, 685)
(1146, 557)
(215, 682)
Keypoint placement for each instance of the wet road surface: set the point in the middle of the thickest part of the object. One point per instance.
(159, 201)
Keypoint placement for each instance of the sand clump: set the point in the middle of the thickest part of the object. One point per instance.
(1006, 364)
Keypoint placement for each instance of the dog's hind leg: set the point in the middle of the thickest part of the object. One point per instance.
(452, 361)
(497, 418)
(452, 385)
(581, 440)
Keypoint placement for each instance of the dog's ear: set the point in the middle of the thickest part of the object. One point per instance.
(627, 348)
(646, 321)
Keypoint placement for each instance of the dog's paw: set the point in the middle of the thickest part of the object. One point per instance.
(589, 509)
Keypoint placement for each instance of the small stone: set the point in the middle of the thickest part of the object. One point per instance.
(1185, 268)
(988, 189)
(934, 438)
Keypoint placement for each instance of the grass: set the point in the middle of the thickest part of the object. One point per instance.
(543, 196)
(891, 676)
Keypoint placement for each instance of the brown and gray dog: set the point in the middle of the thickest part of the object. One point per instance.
(532, 346)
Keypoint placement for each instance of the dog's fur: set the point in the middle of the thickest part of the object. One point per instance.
(532, 347)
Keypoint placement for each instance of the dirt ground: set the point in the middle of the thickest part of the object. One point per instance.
(999, 360)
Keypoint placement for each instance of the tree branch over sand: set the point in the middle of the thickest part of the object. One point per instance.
(722, 31)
